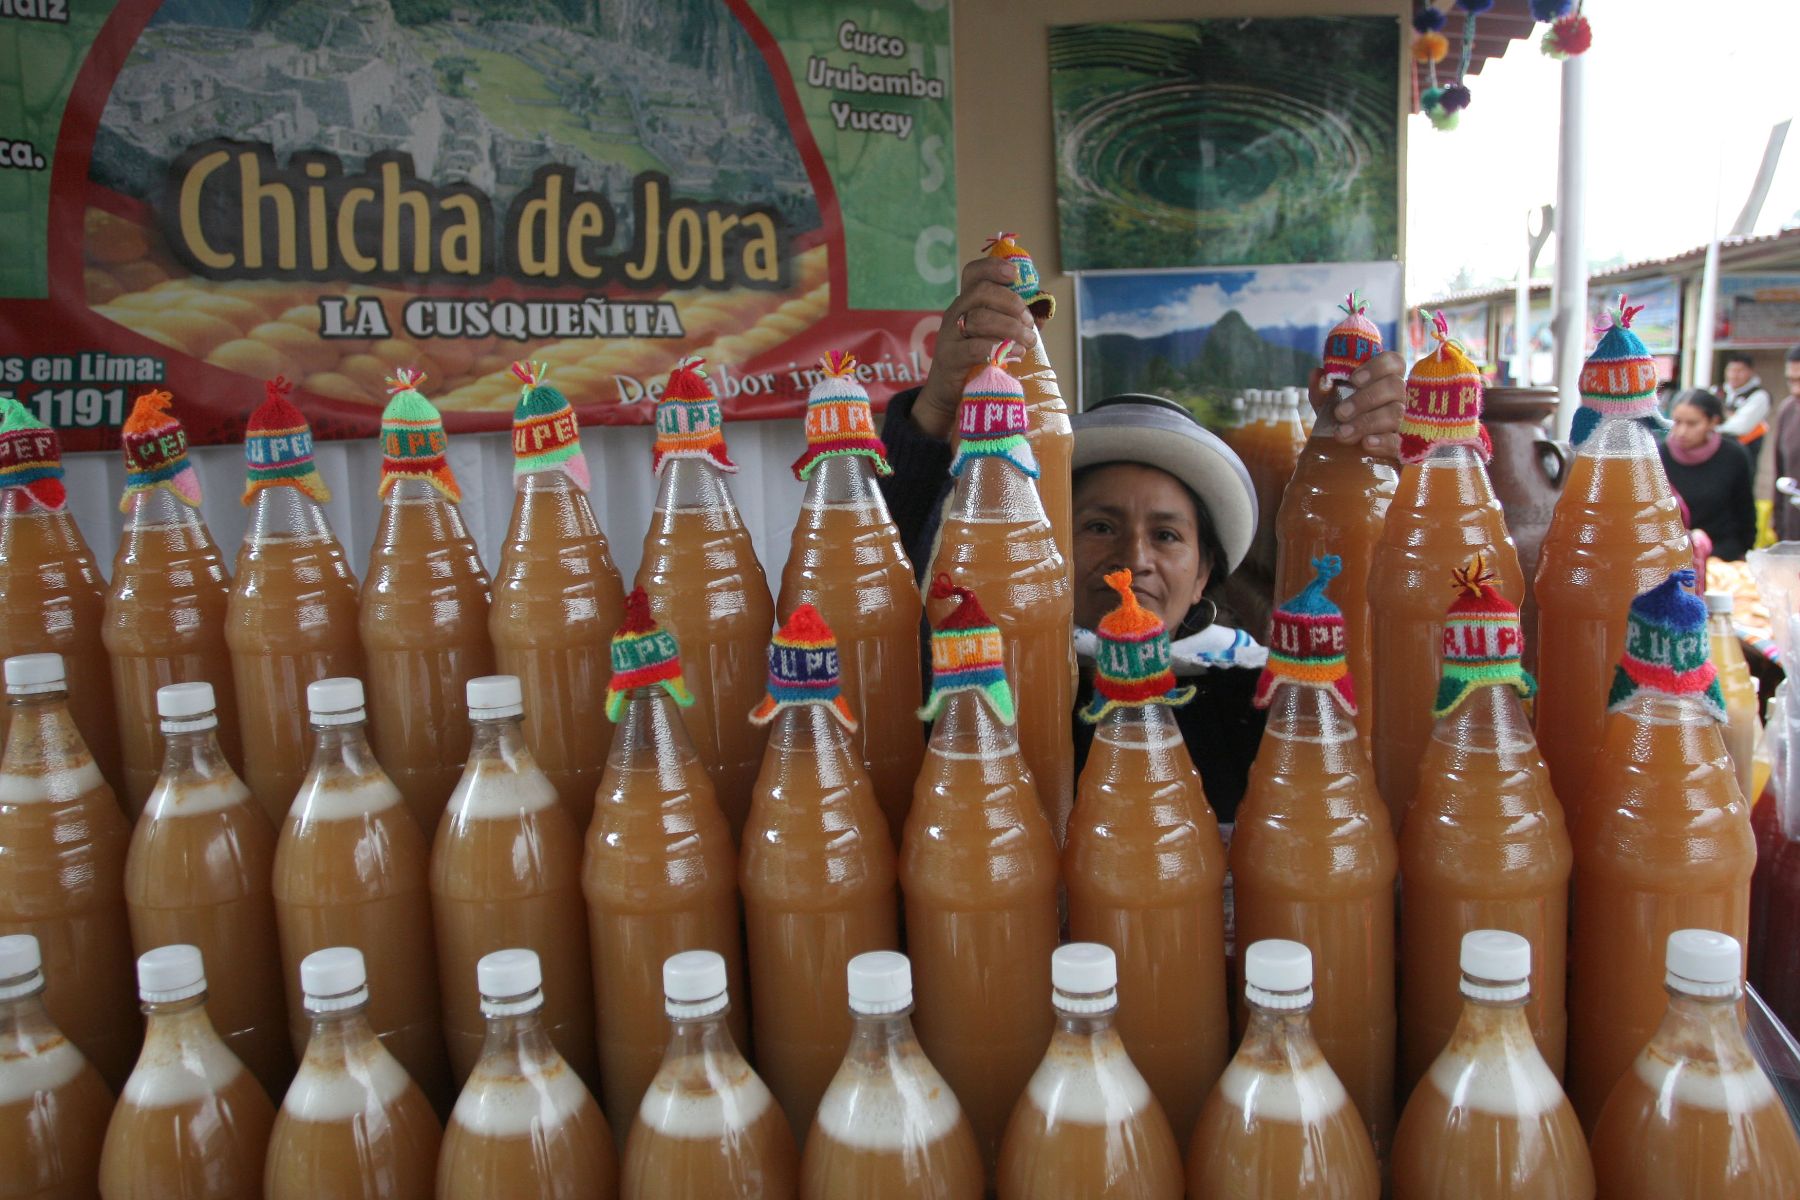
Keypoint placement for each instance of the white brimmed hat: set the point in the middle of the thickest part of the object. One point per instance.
(1155, 432)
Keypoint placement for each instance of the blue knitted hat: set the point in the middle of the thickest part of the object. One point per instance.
(1666, 648)
(1618, 379)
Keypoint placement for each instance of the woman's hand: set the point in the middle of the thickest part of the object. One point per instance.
(1372, 414)
(985, 313)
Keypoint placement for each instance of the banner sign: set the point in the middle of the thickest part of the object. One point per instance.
(204, 194)
(1759, 311)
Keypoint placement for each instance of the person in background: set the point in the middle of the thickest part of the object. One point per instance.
(1785, 519)
(1746, 403)
(1711, 474)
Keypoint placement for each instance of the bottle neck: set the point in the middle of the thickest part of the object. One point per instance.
(517, 1044)
(651, 730)
(182, 1021)
(881, 1043)
(428, 512)
(501, 739)
(968, 728)
(1704, 1030)
(1494, 1022)
(809, 742)
(342, 752)
(42, 738)
(992, 489)
(1490, 720)
(1280, 1036)
(705, 1037)
(1149, 736)
(1084, 1025)
(193, 756)
(1306, 724)
(24, 1022)
(690, 484)
(340, 1038)
(844, 481)
(1620, 437)
(285, 512)
(1445, 457)
(159, 508)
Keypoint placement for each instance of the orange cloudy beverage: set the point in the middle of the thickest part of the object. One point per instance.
(1336, 503)
(424, 613)
(706, 587)
(997, 542)
(889, 1127)
(353, 1126)
(53, 1105)
(1047, 425)
(62, 867)
(165, 611)
(1696, 1115)
(1443, 511)
(1313, 857)
(1616, 532)
(1087, 1124)
(659, 874)
(1484, 845)
(524, 1124)
(1663, 841)
(978, 873)
(191, 1122)
(51, 592)
(350, 870)
(1743, 719)
(1489, 1121)
(707, 1126)
(1278, 1124)
(198, 873)
(1144, 865)
(846, 560)
(557, 595)
(816, 869)
(292, 616)
(506, 874)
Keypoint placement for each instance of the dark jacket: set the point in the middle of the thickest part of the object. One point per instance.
(1220, 725)
(1719, 497)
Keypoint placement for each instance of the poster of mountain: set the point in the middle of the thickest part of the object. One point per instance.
(1226, 142)
(1202, 337)
(205, 194)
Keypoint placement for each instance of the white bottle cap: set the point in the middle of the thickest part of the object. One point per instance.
(1278, 974)
(1084, 978)
(494, 696)
(1704, 962)
(510, 981)
(29, 674)
(1719, 602)
(694, 984)
(880, 983)
(21, 966)
(336, 701)
(1496, 965)
(334, 979)
(186, 707)
(170, 973)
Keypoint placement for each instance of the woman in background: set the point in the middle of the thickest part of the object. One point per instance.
(1711, 474)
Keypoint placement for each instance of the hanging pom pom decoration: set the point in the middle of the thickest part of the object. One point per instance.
(1430, 48)
(1443, 103)
(1456, 98)
(1568, 37)
(1428, 19)
(1550, 10)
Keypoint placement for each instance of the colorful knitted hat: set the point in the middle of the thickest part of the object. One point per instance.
(967, 655)
(1443, 401)
(1306, 642)
(803, 669)
(1482, 640)
(643, 653)
(278, 446)
(413, 445)
(1666, 648)
(1352, 342)
(992, 419)
(688, 421)
(546, 436)
(1029, 284)
(1131, 663)
(156, 452)
(1618, 379)
(30, 456)
(838, 420)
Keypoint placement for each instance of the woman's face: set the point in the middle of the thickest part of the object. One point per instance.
(1127, 515)
(1690, 426)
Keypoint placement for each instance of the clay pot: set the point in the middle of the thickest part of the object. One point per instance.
(1528, 470)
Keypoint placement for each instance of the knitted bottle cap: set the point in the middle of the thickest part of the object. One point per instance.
(1029, 284)
(838, 420)
(992, 419)
(413, 445)
(546, 436)
(688, 421)
(278, 445)
(1666, 648)
(1443, 400)
(156, 452)
(1352, 342)
(1618, 379)
(643, 653)
(967, 655)
(1482, 640)
(30, 456)
(803, 669)
(1306, 642)
(1131, 665)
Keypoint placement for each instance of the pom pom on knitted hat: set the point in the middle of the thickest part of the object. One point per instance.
(413, 445)
(156, 455)
(839, 422)
(967, 654)
(545, 433)
(30, 457)
(278, 447)
(804, 669)
(1132, 667)
(644, 654)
